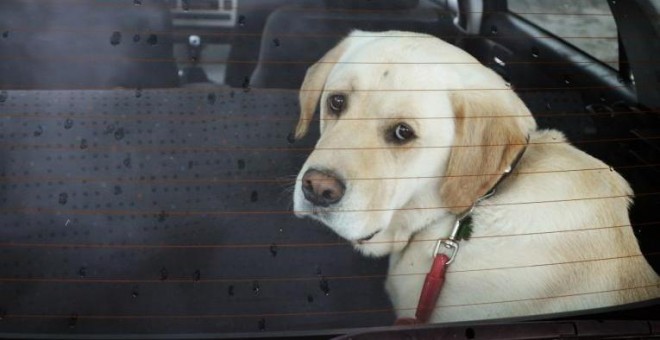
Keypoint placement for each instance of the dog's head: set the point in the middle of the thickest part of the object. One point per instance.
(412, 129)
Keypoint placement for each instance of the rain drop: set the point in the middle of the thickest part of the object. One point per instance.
(163, 274)
(262, 324)
(39, 131)
(109, 129)
(3, 314)
(115, 38)
(162, 216)
(241, 20)
(291, 138)
(136, 38)
(493, 29)
(197, 275)
(5, 34)
(127, 161)
(324, 286)
(63, 198)
(135, 293)
(230, 290)
(241, 164)
(255, 287)
(310, 298)
(190, 164)
(68, 123)
(73, 320)
(231, 94)
(254, 196)
(535, 52)
(117, 190)
(276, 42)
(137, 2)
(82, 272)
(152, 39)
(273, 250)
(246, 84)
(3, 96)
(138, 92)
(185, 5)
(211, 98)
(119, 134)
(567, 80)
(83, 144)
(611, 169)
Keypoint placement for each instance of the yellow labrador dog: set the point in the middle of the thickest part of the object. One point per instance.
(414, 131)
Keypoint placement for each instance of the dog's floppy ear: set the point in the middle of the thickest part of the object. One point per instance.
(491, 130)
(312, 86)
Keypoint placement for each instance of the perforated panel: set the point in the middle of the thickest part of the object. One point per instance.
(166, 212)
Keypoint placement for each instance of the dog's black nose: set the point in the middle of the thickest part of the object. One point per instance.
(321, 188)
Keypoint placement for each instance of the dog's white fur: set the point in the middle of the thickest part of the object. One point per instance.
(524, 258)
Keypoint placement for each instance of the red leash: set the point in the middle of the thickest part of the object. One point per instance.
(430, 292)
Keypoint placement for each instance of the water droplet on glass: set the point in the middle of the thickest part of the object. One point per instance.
(115, 38)
(197, 275)
(535, 52)
(117, 190)
(63, 198)
(276, 42)
(254, 196)
(68, 123)
(291, 138)
(119, 134)
(5, 34)
(262, 324)
(231, 94)
(136, 38)
(83, 144)
(39, 131)
(135, 293)
(493, 29)
(230, 290)
(163, 274)
(3, 96)
(241, 20)
(310, 298)
(567, 80)
(82, 272)
(137, 2)
(241, 164)
(73, 320)
(190, 164)
(273, 250)
(152, 39)
(507, 84)
(127, 161)
(185, 5)
(211, 98)
(3, 314)
(255, 287)
(138, 92)
(324, 286)
(246, 84)
(318, 270)
(162, 216)
(611, 169)
(109, 129)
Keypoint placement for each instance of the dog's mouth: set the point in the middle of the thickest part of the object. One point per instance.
(365, 239)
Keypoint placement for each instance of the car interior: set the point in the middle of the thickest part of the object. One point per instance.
(146, 157)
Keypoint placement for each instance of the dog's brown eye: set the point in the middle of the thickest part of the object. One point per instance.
(336, 103)
(403, 132)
